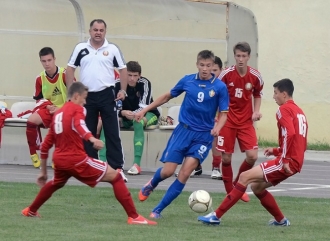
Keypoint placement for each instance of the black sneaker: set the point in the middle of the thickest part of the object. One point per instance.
(197, 172)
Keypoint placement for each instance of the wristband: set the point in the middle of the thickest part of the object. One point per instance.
(124, 92)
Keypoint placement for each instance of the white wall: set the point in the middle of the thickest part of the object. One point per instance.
(294, 43)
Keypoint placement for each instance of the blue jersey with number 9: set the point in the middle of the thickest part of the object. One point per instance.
(202, 100)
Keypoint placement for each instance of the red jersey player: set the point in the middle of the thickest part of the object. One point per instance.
(244, 84)
(50, 94)
(289, 157)
(67, 130)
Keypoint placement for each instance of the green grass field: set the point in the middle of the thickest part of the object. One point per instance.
(81, 213)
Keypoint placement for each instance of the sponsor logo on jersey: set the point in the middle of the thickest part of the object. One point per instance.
(211, 93)
(248, 86)
(56, 92)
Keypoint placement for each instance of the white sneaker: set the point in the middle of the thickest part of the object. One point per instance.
(216, 174)
(134, 170)
(121, 171)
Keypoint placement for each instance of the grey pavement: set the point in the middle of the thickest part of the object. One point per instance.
(313, 181)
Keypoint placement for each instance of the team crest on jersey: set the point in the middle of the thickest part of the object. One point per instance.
(138, 94)
(211, 93)
(105, 53)
(248, 86)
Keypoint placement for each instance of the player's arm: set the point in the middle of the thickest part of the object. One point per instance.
(158, 102)
(120, 64)
(223, 111)
(38, 89)
(81, 128)
(175, 91)
(145, 99)
(45, 147)
(257, 94)
(288, 133)
(74, 62)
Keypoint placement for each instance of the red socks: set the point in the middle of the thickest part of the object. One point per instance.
(216, 162)
(268, 202)
(244, 167)
(227, 176)
(124, 196)
(33, 137)
(230, 199)
(44, 194)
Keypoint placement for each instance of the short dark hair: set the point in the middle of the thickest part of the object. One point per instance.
(76, 87)
(285, 85)
(98, 21)
(218, 61)
(242, 46)
(205, 54)
(45, 51)
(134, 66)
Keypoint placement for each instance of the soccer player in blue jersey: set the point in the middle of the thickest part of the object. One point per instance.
(192, 139)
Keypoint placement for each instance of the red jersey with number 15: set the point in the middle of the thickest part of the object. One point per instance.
(67, 130)
(241, 90)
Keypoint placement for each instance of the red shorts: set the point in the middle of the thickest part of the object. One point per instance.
(45, 116)
(90, 171)
(274, 172)
(246, 137)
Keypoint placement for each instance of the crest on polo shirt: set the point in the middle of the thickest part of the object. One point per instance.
(248, 86)
(211, 93)
(105, 53)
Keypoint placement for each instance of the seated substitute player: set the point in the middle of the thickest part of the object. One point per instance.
(192, 139)
(50, 94)
(289, 157)
(139, 95)
(66, 132)
(244, 83)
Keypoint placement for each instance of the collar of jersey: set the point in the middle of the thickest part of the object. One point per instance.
(211, 80)
(105, 44)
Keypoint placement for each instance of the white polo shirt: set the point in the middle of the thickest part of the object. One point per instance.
(97, 65)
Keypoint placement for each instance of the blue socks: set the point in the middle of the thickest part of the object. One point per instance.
(174, 190)
(157, 178)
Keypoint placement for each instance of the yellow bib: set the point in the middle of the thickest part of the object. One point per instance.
(56, 92)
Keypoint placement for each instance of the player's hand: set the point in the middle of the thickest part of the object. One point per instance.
(256, 116)
(120, 96)
(98, 144)
(215, 131)
(268, 151)
(42, 179)
(286, 167)
(53, 110)
(139, 116)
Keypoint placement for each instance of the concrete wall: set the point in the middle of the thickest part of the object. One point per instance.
(294, 43)
(165, 36)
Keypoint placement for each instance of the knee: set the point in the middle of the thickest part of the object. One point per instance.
(138, 124)
(256, 188)
(252, 157)
(167, 172)
(226, 159)
(244, 178)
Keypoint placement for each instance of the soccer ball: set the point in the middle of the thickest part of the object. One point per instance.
(200, 201)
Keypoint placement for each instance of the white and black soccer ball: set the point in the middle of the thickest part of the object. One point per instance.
(200, 201)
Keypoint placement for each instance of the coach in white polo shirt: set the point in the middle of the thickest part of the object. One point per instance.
(97, 59)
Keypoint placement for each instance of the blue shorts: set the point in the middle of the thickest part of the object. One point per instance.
(187, 143)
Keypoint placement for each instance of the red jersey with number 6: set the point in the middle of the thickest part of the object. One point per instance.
(66, 131)
(292, 134)
(241, 89)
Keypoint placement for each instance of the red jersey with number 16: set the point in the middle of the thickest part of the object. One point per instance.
(292, 134)
(66, 132)
(241, 89)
